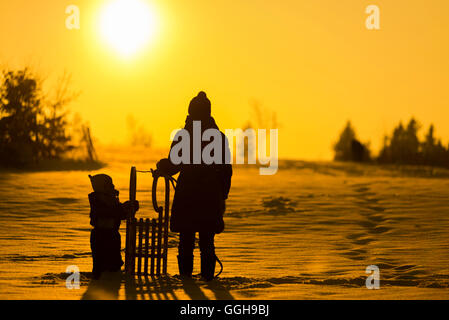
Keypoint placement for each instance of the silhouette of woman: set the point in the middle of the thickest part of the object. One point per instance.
(199, 200)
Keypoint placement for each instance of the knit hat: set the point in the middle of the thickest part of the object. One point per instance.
(199, 107)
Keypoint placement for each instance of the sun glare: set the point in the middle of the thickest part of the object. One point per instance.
(127, 25)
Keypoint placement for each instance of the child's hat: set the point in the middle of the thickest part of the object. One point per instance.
(100, 182)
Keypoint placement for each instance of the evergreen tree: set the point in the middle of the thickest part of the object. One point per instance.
(32, 128)
(348, 148)
(404, 147)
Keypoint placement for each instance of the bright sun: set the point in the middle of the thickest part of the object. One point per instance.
(127, 25)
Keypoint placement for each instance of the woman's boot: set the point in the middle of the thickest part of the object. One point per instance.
(208, 266)
(185, 265)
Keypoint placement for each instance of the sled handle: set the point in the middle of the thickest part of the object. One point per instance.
(133, 189)
(154, 190)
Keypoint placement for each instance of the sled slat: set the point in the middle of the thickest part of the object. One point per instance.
(153, 244)
(139, 261)
(147, 240)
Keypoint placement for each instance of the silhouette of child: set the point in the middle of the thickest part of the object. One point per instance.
(106, 213)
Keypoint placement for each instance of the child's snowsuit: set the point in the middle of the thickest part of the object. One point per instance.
(106, 213)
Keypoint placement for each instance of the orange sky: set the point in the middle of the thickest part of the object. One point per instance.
(313, 62)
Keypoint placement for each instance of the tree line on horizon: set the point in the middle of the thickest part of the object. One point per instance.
(403, 146)
(34, 125)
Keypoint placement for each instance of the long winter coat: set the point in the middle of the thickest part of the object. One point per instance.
(201, 191)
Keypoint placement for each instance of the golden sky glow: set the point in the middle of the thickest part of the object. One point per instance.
(313, 62)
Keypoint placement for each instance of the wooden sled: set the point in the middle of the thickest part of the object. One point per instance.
(147, 240)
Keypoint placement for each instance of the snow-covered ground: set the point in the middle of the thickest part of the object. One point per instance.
(308, 232)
